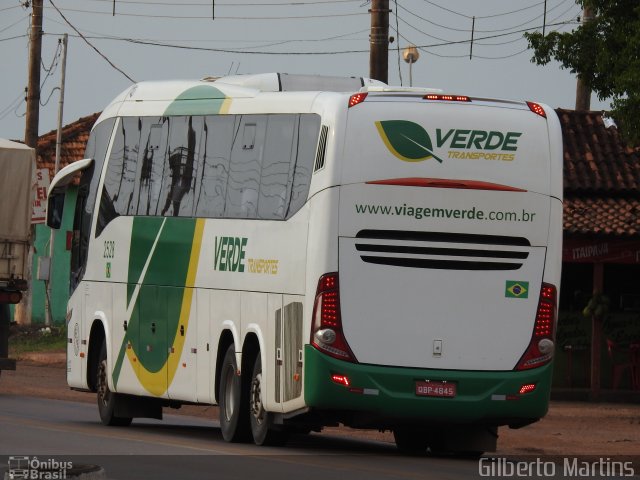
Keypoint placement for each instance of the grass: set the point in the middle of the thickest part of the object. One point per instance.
(37, 339)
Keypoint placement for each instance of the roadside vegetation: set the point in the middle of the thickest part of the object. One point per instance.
(36, 339)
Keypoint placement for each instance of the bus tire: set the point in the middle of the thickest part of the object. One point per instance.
(106, 398)
(411, 442)
(234, 405)
(262, 427)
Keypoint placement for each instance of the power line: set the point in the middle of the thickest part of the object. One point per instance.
(335, 52)
(89, 43)
(235, 4)
(13, 38)
(202, 17)
(479, 30)
(9, 8)
(479, 17)
(15, 103)
(104, 36)
(14, 24)
(480, 43)
(398, 42)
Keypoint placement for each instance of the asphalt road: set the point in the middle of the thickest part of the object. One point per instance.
(181, 447)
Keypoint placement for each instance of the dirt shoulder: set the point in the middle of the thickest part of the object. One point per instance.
(570, 428)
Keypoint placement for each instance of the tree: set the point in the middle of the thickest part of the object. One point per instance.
(605, 53)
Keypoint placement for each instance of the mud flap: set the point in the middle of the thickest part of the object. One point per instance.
(131, 406)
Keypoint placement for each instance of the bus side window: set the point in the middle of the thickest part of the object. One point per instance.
(215, 150)
(182, 166)
(244, 171)
(85, 203)
(276, 166)
(117, 191)
(153, 139)
(308, 131)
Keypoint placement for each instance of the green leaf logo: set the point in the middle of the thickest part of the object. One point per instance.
(406, 140)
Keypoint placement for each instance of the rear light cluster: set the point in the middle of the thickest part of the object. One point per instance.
(537, 109)
(10, 297)
(326, 331)
(447, 98)
(527, 388)
(356, 98)
(540, 350)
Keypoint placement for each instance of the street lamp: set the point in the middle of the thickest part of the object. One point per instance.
(410, 55)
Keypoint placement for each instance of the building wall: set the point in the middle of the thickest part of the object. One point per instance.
(61, 263)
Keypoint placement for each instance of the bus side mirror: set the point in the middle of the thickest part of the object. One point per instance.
(55, 208)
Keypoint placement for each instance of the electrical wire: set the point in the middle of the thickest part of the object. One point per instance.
(334, 52)
(14, 24)
(480, 17)
(50, 71)
(9, 8)
(102, 35)
(235, 4)
(13, 38)
(480, 30)
(398, 41)
(89, 43)
(14, 104)
(202, 17)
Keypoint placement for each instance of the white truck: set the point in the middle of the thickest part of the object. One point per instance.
(16, 166)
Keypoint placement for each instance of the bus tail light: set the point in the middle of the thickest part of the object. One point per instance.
(541, 346)
(11, 297)
(340, 379)
(357, 98)
(527, 388)
(537, 109)
(326, 331)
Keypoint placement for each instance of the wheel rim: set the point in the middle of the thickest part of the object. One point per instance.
(103, 387)
(257, 409)
(229, 394)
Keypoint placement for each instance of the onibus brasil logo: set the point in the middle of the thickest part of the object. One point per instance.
(410, 142)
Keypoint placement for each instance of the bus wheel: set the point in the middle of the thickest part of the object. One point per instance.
(411, 442)
(106, 398)
(262, 427)
(234, 421)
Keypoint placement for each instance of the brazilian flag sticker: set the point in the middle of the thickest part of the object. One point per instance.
(516, 289)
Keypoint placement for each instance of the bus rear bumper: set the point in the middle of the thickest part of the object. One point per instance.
(389, 393)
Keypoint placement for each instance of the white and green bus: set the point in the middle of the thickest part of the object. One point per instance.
(310, 251)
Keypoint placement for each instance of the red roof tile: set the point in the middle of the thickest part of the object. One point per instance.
(602, 216)
(596, 159)
(74, 141)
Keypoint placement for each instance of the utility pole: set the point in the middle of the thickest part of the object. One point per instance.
(52, 235)
(583, 92)
(379, 40)
(33, 88)
(23, 309)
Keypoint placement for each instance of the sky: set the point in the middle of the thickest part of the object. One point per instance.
(171, 39)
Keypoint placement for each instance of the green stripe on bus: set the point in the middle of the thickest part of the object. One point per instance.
(200, 100)
(153, 325)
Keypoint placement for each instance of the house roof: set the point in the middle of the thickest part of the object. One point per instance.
(74, 141)
(596, 159)
(601, 177)
(602, 216)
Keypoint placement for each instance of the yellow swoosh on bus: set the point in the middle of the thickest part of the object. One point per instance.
(157, 382)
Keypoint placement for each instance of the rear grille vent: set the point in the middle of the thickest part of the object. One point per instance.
(442, 250)
(322, 147)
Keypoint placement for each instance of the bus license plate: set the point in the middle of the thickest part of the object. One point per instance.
(435, 389)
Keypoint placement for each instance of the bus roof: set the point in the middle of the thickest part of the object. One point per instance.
(212, 95)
